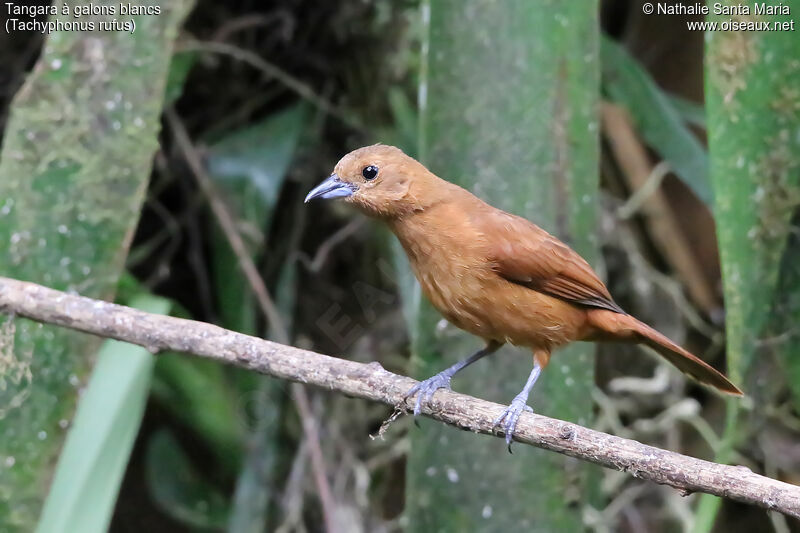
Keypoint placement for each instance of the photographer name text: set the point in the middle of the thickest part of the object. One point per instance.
(718, 8)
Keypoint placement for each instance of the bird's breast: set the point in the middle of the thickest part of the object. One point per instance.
(451, 262)
(452, 275)
(474, 298)
(456, 291)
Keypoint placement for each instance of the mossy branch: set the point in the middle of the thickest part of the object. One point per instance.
(372, 382)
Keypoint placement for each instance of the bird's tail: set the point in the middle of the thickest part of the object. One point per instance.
(625, 327)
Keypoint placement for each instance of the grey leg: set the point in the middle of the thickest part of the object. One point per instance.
(518, 404)
(425, 389)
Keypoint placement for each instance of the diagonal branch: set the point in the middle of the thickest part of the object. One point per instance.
(372, 382)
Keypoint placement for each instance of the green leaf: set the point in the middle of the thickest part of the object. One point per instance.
(782, 329)
(254, 486)
(97, 448)
(179, 69)
(198, 393)
(74, 166)
(691, 112)
(754, 146)
(179, 489)
(509, 94)
(754, 143)
(655, 116)
(255, 159)
(250, 168)
(405, 123)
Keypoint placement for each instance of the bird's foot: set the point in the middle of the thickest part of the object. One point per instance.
(511, 415)
(425, 389)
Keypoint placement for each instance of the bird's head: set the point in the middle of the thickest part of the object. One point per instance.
(380, 180)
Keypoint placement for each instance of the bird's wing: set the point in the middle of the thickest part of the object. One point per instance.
(525, 254)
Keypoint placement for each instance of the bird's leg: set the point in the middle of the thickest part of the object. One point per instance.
(518, 404)
(425, 389)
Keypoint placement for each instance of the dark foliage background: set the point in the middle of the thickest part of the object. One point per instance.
(271, 95)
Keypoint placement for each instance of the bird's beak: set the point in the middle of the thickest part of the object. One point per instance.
(332, 187)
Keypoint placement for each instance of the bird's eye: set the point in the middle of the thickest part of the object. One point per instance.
(369, 172)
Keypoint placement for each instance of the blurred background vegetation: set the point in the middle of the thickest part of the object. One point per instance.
(152, 167)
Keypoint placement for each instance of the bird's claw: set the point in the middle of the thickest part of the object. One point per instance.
(511, 417)
(425, 390)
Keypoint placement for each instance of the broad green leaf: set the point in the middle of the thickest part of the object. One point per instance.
(784, 338)
(404, 129)
(179, 67)
(754, 143)
(250, 168)
(74, 166)
(508, 103)
(656, 117)
(691, 112)
(198, 393)
(752, 81)
(257, 158)
(254, 485)
(99, 443)
(179, 489)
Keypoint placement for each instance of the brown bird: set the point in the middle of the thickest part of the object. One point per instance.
(491, 273)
